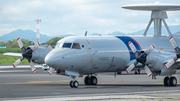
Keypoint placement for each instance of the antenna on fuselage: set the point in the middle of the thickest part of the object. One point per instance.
(158, 14)
(85, 33)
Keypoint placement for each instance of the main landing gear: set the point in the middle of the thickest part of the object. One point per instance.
(90, 80)
(170, 81)
(137, 71)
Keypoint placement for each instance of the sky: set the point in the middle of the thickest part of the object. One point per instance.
(61, 17)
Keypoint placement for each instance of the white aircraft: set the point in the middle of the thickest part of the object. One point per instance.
(77, 56)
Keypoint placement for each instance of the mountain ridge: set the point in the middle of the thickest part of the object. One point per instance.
(31, 35)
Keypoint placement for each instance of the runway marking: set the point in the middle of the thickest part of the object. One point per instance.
(132, 82)
(106, 96)
(163, 83)
(127, 83)
(19, 66)
(108, 83)
(14, 71)
(37, 82)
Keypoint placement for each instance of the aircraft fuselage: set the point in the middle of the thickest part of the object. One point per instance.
(101, 54)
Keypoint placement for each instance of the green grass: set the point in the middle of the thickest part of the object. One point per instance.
(10, 59)
(15, 50)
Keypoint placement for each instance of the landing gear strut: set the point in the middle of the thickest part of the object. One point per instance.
(137, 71)
(170, 81)
(90, 80)
(74, 83)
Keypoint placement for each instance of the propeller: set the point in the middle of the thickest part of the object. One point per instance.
(140, 58)
(177, 50)
(51, 69)
(26, 53)
(49, 47)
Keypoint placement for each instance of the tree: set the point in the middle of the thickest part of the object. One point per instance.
(53, 41)
(13, 43)
(2, 44)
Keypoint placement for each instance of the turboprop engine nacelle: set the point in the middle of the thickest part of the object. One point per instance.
(166, 72)
(154, 62)
(39, 55)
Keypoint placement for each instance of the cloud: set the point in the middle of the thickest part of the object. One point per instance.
(61, 17)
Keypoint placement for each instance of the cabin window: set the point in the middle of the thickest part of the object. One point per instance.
(76, 46)
(67, 45)
(82, 46)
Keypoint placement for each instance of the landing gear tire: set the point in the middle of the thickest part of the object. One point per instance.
(173, 81)
(166, 81)
(74, 84)
(90, 81)
(71, 84)
(86, 80)
(119, 72)
(93, 80)
(135, 72)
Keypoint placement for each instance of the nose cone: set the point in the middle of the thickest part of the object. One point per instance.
(56, 58)
(49, 60)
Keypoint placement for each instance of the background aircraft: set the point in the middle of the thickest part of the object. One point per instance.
(34, 54)
(77, 56)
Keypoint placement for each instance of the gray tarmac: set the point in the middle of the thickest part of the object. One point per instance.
(20, 83)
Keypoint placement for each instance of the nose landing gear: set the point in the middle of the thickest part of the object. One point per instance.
(74, 83)
(170, 81)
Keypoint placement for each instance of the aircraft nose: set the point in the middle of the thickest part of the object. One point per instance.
(49, 60)
(56, 58)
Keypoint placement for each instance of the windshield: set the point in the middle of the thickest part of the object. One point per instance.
(58, 45)
(67, 45)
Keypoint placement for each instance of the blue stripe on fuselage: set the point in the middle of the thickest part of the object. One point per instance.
(126, 40)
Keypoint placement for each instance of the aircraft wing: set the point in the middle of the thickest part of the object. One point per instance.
(13, 54)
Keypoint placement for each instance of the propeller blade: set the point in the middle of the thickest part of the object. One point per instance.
(32, 67)
(21, 45)
(173, 42)
(35, 46)
(49, 47)
(133, 48)
(171, 39)
(20, 42)
(170, 62)
(50, 71)
(17, 62)
(131, 67)
(177, 50)
(150, 49)
(147, 70)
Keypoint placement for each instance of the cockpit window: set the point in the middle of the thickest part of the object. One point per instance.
(57, 45)
(76, 46)
(67, 45)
